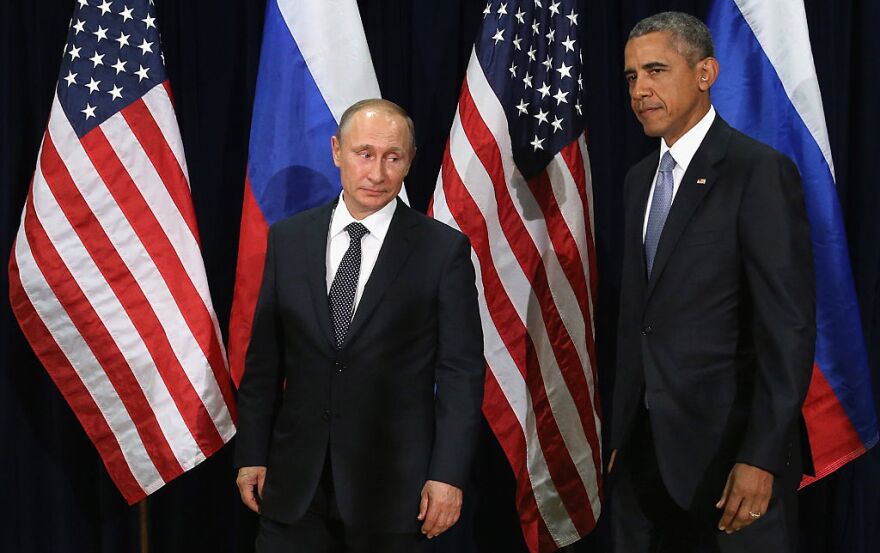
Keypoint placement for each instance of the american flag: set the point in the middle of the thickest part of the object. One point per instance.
(515, 179)
(106, 275)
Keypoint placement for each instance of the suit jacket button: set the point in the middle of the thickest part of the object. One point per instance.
(647, 330)
(339, 366)
(326, 415)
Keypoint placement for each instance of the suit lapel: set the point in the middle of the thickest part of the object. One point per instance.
(316, 268)
(696, 183)
(395, 250)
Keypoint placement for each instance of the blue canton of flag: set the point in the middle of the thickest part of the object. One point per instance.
(532, 60)
(111, 58)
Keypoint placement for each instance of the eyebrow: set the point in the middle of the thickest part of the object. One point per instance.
(648, 66)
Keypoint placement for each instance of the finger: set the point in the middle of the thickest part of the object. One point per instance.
(732, 503)
(423, 506)
(261, 479)
(724, 493)
(430, 520)
(247, 497)
(743, 517)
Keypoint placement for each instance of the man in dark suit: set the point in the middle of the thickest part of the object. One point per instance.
(360, 403)
(717, 318)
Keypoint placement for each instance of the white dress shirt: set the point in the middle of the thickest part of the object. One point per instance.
(338, 241)
(682, 152)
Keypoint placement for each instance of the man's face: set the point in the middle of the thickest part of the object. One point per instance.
(373, 156)
(667, 95)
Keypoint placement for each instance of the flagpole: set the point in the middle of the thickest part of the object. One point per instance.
(144, 522)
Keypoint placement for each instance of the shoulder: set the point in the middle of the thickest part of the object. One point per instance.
(303, 219)
(430, 228)
(745, 151)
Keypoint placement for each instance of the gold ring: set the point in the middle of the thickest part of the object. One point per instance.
(753, 514)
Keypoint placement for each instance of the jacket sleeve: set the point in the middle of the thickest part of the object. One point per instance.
(778, 263)
(459, 372)
(260, 391)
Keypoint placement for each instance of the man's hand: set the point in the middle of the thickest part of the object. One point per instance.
(250, 486)
(745, 497)
(440, 507)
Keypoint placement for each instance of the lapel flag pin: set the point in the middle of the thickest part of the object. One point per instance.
(701, 181)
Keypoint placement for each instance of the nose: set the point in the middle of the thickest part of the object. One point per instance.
(376, 174)
(638, 89)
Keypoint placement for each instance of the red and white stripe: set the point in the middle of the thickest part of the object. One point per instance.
(534, 254)
(108, 284)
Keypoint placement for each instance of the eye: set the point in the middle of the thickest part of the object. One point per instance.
(363, 154)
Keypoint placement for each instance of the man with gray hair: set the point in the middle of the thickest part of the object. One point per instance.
(717, 318)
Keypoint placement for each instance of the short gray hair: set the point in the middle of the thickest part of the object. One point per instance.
(381, 104)
(690, 35)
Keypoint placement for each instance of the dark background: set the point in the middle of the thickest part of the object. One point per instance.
(55, 495)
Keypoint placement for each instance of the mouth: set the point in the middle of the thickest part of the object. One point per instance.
(648, 111)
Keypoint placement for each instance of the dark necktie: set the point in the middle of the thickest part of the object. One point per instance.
(660, 204)
(344, 286)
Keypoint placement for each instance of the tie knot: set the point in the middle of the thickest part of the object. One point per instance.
(667, 163)
(356, 231)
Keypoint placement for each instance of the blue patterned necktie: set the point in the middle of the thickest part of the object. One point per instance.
(344, 286)
(660, 204)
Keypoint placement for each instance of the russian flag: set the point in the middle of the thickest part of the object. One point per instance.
(314, 63)
(768, 89)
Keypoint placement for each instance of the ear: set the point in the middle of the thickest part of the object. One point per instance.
(708, 72)
(336, 148)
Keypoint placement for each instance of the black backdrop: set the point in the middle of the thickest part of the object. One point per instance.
(55, 494)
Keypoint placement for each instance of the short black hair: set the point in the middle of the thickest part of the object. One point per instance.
(690, 35)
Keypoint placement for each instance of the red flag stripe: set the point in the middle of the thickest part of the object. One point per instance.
(504, 423)
(517, 402)
(571, 365)
(155, 190)
(491, 113)
(574, 155)
(153, 142)
(160, 102)
(136, 305)
(248, 277)
(130, 246)
(519, 343)
(72, 388)
(99, 341)
(160, 249)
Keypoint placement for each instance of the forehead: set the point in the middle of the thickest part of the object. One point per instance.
(652, 47)
(376, 126)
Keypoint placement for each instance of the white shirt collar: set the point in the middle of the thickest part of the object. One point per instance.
(686, 147)
(377, 223)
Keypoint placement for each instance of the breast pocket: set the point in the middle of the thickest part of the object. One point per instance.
(696, 238)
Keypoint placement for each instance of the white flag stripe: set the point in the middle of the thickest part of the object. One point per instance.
(81, 359)
(493, 115)
(514, 388)
(798, 77)
(156, 195)
(558, 171)
(142, 268)
(570, 207)
(160, 107)
(342, 68)
(112, 315)
(525, 302)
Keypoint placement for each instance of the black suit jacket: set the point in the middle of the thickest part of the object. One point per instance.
(372, 404)
(720, 339)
